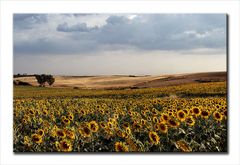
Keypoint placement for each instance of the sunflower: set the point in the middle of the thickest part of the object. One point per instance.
(154, 112)
(24, 121)
(143, 122)
(110, 124)
(137, 126)
(132, 145)
(149, 118)
(143, 112)
(63, 118)
(70, 134)
(66, 121)
(218, 106)
(70, 116)
(32, 112)
(186, 111)
(45, 112)
(183, 146)
(53, 118)
(155, 120)
(115, 116)
(181, 115)
(190, 121)
(93, 126)
(165, 117)
(126, 125)
(170, 114)
(46, 125)
(37, 138)
(65, 146)
(154, 138)
(128, 130)
(217, 116)
(111, 119)
(61, 133)
(163, 128)
(103, 124)
(121, 134)
(27, 140)
(205, 114)
(82, 112)
(102, 111)
(86, 131)
(196, 111)
(107, 111)
(58, 113)
(225, 113)
(121, 147)
(40, 132)
(156, 127)
(130, 113)
(173, 123)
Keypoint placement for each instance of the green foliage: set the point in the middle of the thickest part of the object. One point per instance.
(43, 79)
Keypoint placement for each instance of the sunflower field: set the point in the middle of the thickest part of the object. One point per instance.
(185, 118)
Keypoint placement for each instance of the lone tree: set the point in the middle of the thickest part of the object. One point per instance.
(43, 78)
(50, 80)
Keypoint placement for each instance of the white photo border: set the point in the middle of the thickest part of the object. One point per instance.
(8, 8)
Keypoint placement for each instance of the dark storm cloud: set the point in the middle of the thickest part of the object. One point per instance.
(147, 32)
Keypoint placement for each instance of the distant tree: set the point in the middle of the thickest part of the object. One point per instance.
(43, 79)
(50, 80)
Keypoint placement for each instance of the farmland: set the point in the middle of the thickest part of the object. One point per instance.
(182, 117)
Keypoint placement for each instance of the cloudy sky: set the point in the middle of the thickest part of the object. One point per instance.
(110, 44)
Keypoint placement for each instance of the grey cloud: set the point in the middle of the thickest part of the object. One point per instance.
(27, 21)
(116, 20)
(80, 27)
(53, 47)
(157, 31)
(146, 32)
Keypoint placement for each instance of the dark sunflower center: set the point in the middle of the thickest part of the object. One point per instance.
(165, 117)
(217, 115)
(196, 110)
(204, 113)
(181, 115)
(225, 113)
(60, 133)
(36, 139)
(189, 121)
(65, 145)
(86, 130)
(173, 123)
(154, 138)
(120, 148)
(93, 127)
(162, 127)
(66, 121)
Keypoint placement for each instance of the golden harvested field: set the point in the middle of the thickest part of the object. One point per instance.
(95, 82)
(182, 118)
(128, 81)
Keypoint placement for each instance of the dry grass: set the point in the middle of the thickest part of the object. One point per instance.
(124, 81)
